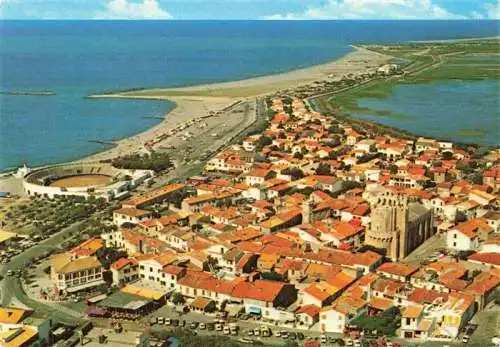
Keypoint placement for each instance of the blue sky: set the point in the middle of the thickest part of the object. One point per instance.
(249, 9)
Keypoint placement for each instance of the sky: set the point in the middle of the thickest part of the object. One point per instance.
(250, 9)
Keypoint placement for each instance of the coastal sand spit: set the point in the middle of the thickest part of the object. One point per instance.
(194, 101)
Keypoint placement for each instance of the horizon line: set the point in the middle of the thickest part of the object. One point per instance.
(252, 19)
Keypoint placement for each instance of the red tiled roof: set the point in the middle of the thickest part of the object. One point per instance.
(487, 257)
(399, 269)
(310, 310)
(421, 295)
(262, 290)
(121, 263)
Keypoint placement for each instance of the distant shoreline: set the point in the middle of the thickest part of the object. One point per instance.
(203, 97)
(215, 96)
(355, 62)
(28, 93)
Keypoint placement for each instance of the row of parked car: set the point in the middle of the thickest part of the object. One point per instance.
(19, 246)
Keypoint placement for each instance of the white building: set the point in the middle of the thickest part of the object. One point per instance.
(130, 215)
(71, 275)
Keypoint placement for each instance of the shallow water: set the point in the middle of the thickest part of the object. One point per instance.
(462, 111)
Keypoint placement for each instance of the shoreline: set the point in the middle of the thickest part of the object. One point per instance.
(213, 97)
(196, 100)
(355, 62)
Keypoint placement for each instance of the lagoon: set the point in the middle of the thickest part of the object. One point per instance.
(461, 111)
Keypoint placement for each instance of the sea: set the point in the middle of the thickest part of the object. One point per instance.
(74, 59)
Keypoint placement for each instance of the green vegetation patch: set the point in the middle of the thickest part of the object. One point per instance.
(469, 133)
(155, 161)
(424, 63)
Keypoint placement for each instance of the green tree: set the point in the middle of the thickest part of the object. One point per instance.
(177, 299)
(323, 169)
(460, 217)
(211, 307)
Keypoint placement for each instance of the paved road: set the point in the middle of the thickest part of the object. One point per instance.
(11, 289)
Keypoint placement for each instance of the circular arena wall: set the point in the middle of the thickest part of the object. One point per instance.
(86, 180)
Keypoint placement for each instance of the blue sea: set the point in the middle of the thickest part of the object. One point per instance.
(76, 58)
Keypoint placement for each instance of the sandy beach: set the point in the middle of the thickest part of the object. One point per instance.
(355, 62)
(200, 100)
(187, 108)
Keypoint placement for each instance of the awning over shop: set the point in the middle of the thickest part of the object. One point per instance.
(145, 293)
(200, 303)
(97, 298)
(254, 310)
(85, 286)
(233, 311)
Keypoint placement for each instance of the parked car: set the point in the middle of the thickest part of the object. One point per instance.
(193, 325)
(218, 327)
(265, 331)
(168, 321)
(175, 322)
(226, 330)
(160, 320)
(284, 334)
(256, 332)
(323, 339)
(277, 333)
(202, 326)
(246, 340)
(300, 336)
(465, 339)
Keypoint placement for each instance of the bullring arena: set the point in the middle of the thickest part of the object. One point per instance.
(84, 179)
